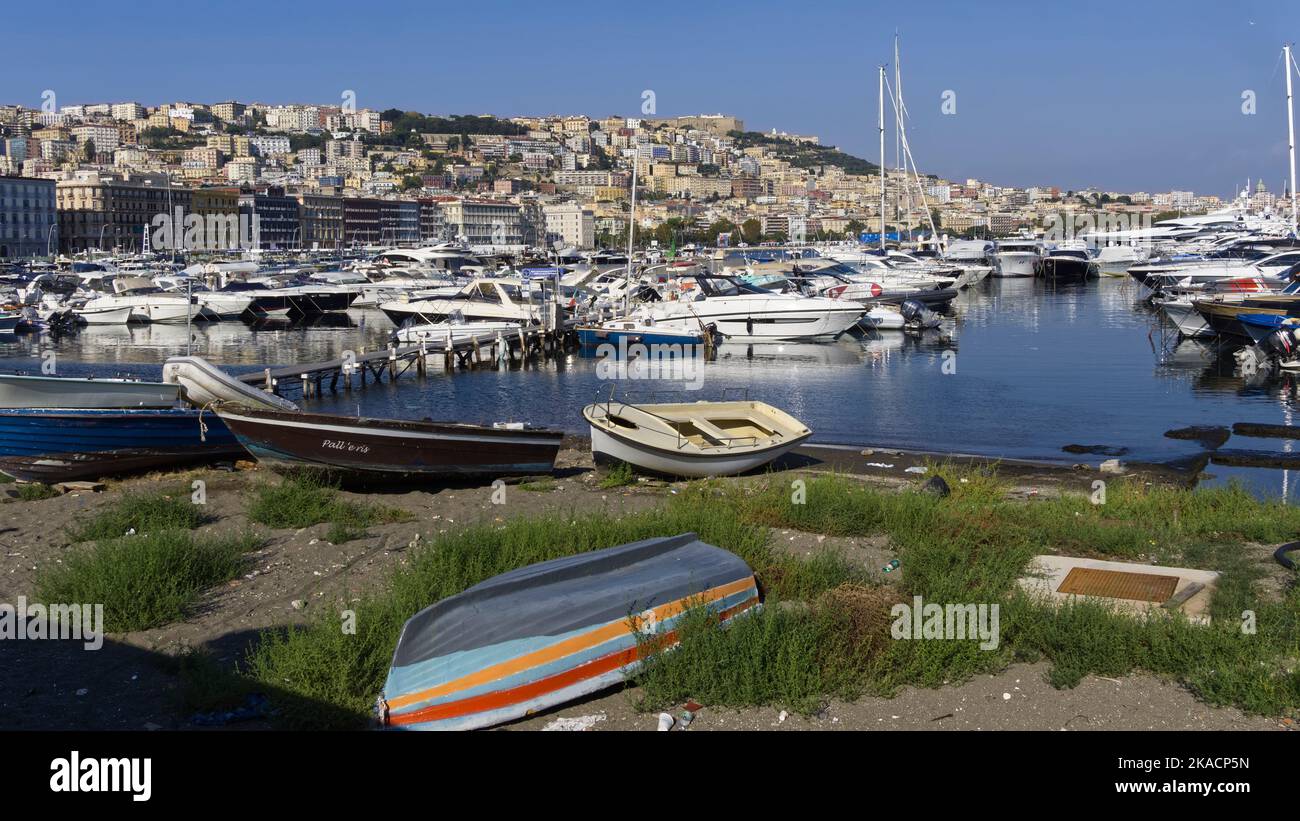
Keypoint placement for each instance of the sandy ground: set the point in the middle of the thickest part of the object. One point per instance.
(131, 683)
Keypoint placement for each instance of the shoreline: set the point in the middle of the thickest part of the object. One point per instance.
(138, 682)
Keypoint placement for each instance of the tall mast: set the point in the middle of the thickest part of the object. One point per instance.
(882, 158)
(900, 134)
(631, 228)
(1290, 129)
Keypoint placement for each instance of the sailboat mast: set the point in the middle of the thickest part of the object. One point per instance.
(882, 158)
(1290, 127)
(631, 228)
(900, 134)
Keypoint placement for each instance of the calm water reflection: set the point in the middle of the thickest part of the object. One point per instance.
(1032, 368)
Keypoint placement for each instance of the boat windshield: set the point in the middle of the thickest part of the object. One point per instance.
(725, 286)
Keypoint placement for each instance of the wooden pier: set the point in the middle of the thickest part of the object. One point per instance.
(465, 352)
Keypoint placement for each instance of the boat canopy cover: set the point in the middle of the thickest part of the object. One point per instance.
(564, 595)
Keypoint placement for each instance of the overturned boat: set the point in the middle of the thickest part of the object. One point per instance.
(548, 633)
(369, 451)
(693, 439)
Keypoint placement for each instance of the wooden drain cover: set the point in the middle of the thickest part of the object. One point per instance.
(1118, 584)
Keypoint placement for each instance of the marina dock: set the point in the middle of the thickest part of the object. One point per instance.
(468, 352)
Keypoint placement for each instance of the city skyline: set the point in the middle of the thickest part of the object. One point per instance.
(1057, 100)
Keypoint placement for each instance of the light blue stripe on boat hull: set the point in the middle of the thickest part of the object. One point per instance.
(434, 672)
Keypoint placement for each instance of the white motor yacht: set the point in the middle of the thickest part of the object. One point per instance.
(744, 312)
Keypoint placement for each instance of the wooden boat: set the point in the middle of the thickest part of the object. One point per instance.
(17, 391)
(206, 384)
(552, 632)
(692, 439)
(63, 444)
(1224, 317)
(379, 450)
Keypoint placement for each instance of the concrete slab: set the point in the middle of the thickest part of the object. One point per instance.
(1046, 573)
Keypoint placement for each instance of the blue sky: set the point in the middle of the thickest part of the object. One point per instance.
(1131, 96)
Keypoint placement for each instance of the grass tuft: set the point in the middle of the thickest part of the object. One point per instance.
(35, 491)
(142, 512)
(619, 475)
(147, 580)
(302, 501)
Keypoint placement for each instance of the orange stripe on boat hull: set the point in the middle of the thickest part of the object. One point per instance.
(504, 698)
(567, 647)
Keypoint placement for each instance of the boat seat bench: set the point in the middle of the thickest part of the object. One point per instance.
(723, 437)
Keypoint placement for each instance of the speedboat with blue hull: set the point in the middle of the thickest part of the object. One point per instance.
(549, 633)
(645, 333)
(65, 444)
(367, 451)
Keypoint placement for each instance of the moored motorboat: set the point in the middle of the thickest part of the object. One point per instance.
(1016, 257)
(435, 334)
(507, 647)
(1183, 314)
(1066, 263)
(1223, 317)
(364, 450)
(644, 332)
(108, 314)
(742, 312)
(692, 439)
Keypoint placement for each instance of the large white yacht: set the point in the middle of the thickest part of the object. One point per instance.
(744, 312)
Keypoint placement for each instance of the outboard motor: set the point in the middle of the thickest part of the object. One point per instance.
(1280, 344)
(918, 317)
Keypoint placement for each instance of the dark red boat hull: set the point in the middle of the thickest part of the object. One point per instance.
(385, 450)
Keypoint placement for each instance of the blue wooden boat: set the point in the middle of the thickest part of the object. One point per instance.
(545, 634)
(59, 445)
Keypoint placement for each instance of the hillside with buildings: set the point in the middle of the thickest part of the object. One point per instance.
(93, 176)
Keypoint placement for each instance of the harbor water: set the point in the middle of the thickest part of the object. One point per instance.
(1021, 370)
